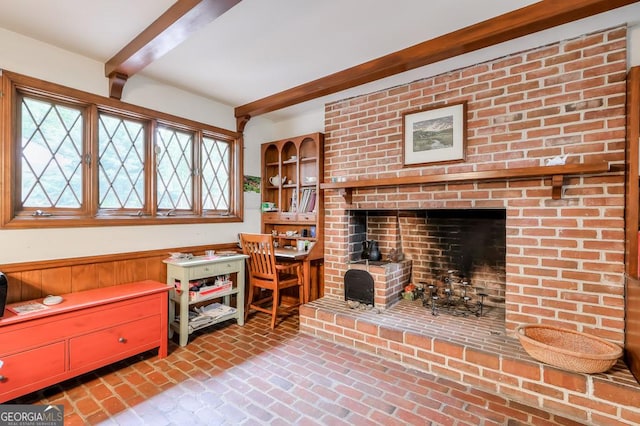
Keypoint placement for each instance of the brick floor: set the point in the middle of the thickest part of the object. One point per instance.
(232, 375)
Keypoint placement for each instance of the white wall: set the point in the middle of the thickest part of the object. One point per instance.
(27, 56)
(308, 118)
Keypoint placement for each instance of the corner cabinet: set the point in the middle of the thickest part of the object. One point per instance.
(292, 170)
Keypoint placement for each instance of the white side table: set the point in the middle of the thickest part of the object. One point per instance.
(199, 267)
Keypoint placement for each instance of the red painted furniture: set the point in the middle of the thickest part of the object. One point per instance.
(88, 330)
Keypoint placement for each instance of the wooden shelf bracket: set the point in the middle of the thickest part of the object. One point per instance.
(557, 182)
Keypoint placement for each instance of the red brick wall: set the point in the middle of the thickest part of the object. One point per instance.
(565, 258)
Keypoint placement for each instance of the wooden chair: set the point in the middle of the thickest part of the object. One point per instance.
(266, 273)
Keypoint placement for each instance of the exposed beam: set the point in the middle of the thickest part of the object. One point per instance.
(527, 20)
(173, 27)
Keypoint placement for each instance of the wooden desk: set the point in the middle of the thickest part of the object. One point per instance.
(291, 254)
(294, 254)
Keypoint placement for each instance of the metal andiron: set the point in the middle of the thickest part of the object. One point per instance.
(454, 297)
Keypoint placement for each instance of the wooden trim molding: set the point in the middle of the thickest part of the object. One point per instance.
(632, 325)
(557, 174)
(32, 280)
(632, 219)
(539, 16)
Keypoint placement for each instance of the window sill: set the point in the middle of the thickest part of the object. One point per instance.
(74, 222)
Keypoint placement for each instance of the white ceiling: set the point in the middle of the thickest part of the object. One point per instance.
(258, 47)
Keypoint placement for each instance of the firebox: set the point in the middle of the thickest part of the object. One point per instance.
(359, 286)
(470, 243)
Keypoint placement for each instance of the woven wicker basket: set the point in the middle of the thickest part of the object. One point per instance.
(568, 349)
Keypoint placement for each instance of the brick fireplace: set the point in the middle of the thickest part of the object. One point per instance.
(563, 258)
(468, 244)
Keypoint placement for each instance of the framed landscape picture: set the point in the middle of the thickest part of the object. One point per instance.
(434, 135)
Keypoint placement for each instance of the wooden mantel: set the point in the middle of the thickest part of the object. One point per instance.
(557, 174)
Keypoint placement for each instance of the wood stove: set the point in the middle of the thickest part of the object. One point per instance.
(359, 286)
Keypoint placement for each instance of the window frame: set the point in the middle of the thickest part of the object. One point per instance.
(95, 159)
(15, 85)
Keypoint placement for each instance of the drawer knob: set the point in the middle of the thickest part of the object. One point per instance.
(2, 378)
(122, 340)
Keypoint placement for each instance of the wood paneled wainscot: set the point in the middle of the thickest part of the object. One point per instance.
(32, 280)
(87, 330)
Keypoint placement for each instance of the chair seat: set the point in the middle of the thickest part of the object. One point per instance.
(288, 280)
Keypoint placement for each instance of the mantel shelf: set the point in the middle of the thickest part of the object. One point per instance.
(557, 174)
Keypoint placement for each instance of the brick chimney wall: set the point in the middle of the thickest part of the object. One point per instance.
(564, 258)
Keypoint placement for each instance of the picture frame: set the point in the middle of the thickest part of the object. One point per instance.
(251, 183)
(434, 135)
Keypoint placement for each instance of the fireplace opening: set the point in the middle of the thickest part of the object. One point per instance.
(467, 246)
(359, 286)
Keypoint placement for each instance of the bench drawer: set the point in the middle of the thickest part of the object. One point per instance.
(29, 370)
(57, 327)
(113, 343)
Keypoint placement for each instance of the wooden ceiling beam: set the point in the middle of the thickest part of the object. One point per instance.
(536, 17)
(174, 26)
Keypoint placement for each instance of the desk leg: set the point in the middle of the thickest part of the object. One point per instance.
(184, 313)
(306, 280)
(240, 295)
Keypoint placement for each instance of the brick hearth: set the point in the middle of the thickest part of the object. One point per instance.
(476, 351)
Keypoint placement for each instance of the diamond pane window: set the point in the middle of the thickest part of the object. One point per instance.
(78, 159)
(216, 159)
(121, 163)
(50, 154)
(174, 165)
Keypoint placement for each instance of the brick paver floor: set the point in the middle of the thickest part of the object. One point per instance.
(251, 375)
